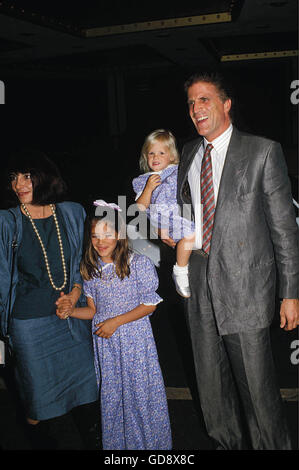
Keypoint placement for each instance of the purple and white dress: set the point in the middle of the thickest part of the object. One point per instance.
(133, 399)
(164, 211)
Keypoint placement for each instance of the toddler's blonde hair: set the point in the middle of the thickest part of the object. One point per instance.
(160, 135)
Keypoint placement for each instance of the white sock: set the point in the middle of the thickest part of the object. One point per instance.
(180, 269)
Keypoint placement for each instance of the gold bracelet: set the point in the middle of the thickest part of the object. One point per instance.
(78, 287)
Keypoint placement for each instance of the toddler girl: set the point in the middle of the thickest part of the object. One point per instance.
(156, 192)
(121, 294)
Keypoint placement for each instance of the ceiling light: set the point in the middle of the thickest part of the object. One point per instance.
(278, 4)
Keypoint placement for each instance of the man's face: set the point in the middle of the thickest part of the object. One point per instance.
(208, 112)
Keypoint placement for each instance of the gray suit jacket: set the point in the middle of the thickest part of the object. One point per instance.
(255, 234)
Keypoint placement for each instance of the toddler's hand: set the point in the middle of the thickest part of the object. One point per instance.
(153, 181)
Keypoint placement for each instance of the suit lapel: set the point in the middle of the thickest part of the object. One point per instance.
(232, 175)
(193, 153)
(185, 165)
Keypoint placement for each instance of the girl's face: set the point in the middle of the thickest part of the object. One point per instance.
(159, 156)
(104, 240)
(21, 184)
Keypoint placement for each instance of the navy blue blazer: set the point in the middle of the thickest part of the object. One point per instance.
(73, 215)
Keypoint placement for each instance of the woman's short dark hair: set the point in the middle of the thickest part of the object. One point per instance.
(48, 185)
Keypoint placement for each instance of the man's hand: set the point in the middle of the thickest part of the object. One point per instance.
(289, 314)
(163, 234)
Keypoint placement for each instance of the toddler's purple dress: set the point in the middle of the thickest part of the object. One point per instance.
(164, 211)
(133, 400)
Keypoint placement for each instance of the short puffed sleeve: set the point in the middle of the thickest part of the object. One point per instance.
(139, 183)
(87, 289)
(147, 281)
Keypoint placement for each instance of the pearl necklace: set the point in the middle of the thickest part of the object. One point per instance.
(44, 250)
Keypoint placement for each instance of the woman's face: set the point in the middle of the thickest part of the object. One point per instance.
(21, 184)
(104, 240)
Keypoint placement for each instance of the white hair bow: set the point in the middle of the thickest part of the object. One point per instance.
(100, 202)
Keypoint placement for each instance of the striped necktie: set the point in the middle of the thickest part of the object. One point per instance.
(207, 198)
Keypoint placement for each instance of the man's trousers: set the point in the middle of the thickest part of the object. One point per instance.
(235, 376)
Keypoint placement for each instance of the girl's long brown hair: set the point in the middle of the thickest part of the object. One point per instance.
(89, 267)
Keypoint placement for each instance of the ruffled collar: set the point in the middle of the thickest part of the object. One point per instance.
(163, 173)
(103, 265)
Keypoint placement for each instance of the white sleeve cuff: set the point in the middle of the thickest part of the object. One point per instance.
(147, 304)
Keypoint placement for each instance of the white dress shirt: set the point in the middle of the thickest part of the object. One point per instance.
(218, 154)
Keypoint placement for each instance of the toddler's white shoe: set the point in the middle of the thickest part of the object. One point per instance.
(181, 280)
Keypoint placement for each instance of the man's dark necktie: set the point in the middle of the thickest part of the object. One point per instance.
(207, 198)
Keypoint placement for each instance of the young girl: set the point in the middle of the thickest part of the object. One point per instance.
(156, 193)
(121, 294)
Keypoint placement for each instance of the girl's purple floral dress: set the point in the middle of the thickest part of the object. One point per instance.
(164, 211)
(133, 400)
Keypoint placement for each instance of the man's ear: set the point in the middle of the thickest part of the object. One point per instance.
(227, 105)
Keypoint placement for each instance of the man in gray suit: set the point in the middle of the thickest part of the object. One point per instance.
(247, 233)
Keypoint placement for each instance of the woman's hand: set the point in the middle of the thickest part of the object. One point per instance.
(65, 306)
(107, 327)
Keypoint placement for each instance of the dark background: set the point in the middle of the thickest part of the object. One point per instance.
(69, 119)
(89, 100)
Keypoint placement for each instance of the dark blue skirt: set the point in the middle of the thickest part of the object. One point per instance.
(54, 371)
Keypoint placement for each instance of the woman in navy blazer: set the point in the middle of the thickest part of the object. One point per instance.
(53, 358)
